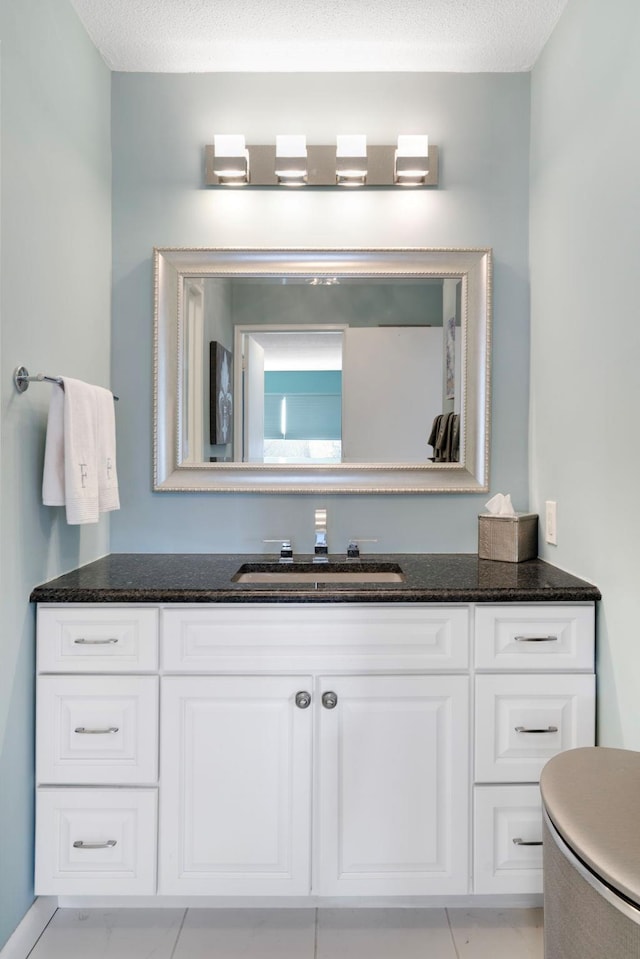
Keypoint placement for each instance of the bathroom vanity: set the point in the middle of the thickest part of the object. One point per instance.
(200, 736)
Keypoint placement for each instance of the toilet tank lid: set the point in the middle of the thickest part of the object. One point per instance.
(592, 796)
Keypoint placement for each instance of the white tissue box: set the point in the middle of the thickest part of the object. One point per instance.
(510, 539)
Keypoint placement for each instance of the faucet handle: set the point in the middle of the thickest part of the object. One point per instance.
(286, 550)
(353, 549)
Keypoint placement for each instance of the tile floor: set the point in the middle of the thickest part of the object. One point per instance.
(292, 934)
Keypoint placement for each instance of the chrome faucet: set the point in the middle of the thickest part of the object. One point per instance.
(320, 547)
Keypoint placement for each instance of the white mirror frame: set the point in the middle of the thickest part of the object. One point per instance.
(470, 475)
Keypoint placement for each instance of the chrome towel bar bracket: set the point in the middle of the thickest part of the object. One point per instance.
(22, 378)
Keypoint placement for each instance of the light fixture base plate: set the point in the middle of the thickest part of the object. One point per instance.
(321, 167)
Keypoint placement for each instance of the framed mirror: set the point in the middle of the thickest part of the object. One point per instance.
(322, 371)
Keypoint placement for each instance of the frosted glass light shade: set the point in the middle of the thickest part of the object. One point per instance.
(351, 145)
(231, 157)
(291, 145)
(411, 159)
(410, 145)
(291, 158)
(351, 159)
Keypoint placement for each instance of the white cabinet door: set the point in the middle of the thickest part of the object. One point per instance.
(391, 377)
(235, 771)
(393, 786)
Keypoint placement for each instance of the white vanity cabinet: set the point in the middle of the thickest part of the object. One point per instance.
(322, 749)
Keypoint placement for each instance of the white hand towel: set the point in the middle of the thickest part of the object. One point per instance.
(53, 476)
(80, 452)
(108, 495)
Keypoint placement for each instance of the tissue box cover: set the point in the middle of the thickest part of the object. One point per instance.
(510, 539)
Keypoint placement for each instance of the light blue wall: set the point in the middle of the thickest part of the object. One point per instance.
(356, 305)
(314, 404)
(55, 311)
(303, 381)
(585, 350)
(160, 126)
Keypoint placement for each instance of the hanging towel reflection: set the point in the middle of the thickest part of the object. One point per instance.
(445, 438)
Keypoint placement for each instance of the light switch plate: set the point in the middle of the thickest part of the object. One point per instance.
(551, 522)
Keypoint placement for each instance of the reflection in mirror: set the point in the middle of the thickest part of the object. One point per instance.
(308, 389)
(347, 370)
(296, 414)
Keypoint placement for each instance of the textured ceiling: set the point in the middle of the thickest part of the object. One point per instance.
(201, 36)
(300, 350)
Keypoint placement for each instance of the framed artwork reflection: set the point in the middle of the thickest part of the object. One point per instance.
(450, 358)
(220, 395)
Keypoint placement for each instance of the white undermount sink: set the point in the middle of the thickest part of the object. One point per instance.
(282, 574)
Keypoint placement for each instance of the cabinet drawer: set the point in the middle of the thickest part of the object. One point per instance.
(507, 828)
(522, 721)
(93, 639)
(292, 638)
(534, 637)
(97, 729)
(95, 841)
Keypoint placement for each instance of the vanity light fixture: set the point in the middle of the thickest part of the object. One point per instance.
(291, 159)
(411, 161)
(351, 160)
(230, 159)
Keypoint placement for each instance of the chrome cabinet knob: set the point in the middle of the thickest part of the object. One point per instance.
(303, 699)
(330, 700)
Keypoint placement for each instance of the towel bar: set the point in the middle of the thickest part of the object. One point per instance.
(21, 378)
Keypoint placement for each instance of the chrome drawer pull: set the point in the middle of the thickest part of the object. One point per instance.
(80, 844)
(96, 642)
(525, 729)
(330, 700)
(95, 732)
(524, 842)
(536, 639)
(303, 699)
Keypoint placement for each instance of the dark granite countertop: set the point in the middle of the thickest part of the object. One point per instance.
(207, 578)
